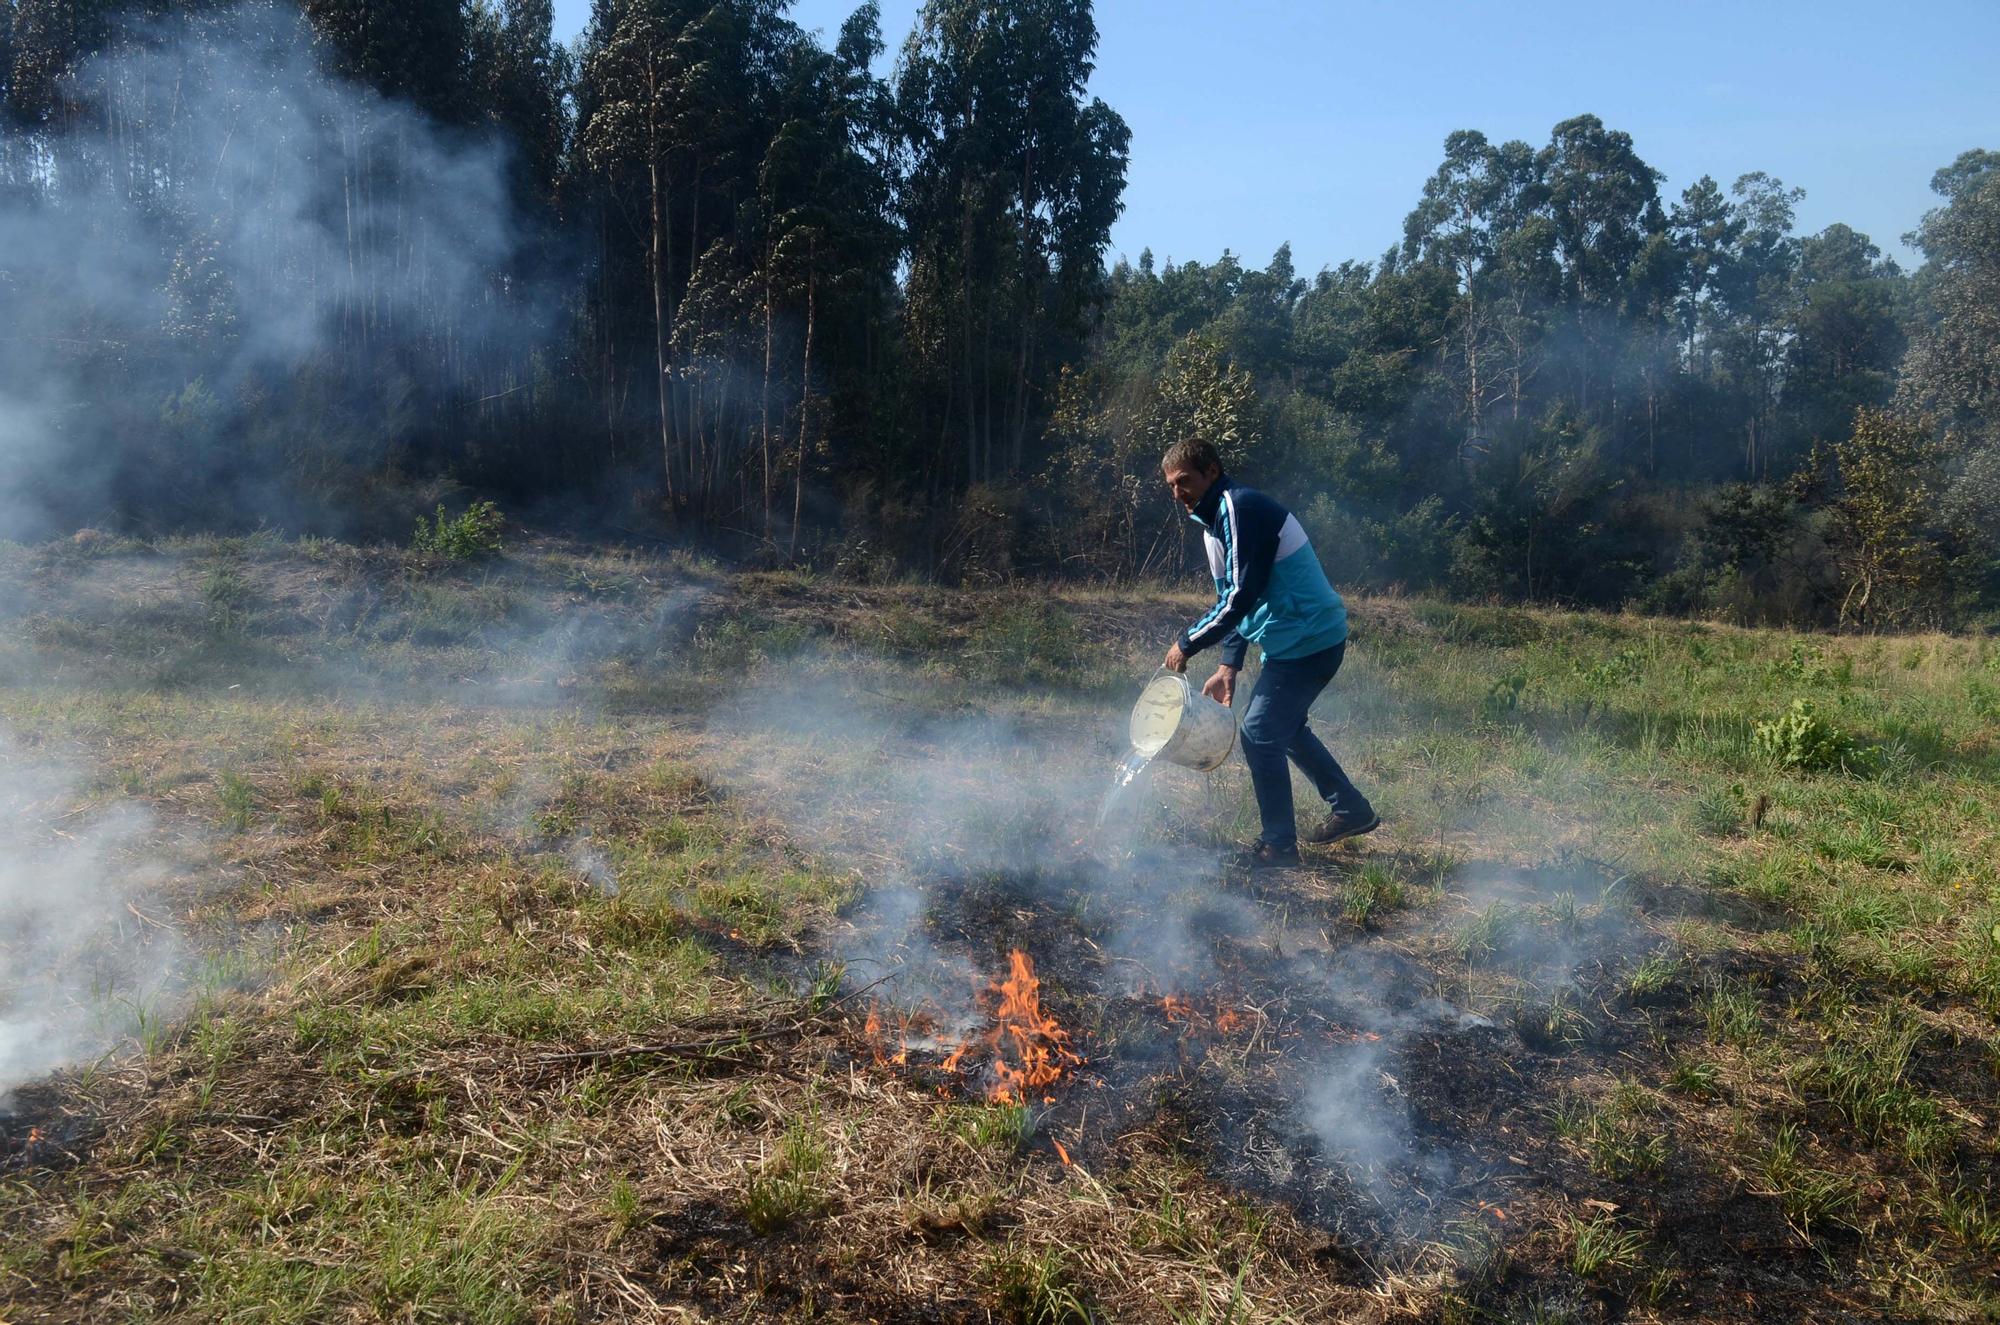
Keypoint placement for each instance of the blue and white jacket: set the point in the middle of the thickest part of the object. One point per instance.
(1270, 590)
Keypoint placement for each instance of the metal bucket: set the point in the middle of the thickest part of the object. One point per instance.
(1174, 721)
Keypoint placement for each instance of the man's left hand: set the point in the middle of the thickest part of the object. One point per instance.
(1176, 660)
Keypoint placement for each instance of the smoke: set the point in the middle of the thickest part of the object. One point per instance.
(974, 829)
(80, 962)
(235, 286)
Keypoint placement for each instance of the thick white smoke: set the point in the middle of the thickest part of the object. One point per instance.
(80, 962)
(224, 261)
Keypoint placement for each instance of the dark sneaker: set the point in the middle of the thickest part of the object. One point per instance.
(1340, 827)
(1264, 856)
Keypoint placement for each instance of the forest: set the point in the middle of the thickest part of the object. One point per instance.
(698, 277)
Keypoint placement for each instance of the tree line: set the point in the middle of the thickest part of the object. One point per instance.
(700, 272)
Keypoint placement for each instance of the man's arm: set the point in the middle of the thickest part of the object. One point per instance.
(1249, 538)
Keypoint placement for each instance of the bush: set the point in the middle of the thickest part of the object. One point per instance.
(472, 536)
(1801, 739)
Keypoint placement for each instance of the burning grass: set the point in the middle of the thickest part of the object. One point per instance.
(625, 940)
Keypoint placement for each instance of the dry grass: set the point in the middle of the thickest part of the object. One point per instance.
(1726, 1041)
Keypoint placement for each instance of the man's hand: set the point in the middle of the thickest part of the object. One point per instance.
(1176, 660)
(1222, 686)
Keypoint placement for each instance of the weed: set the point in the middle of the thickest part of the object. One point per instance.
(1601, 1246)
(1969, 1216)
(1037, 1288)
(227, 598)
(1485, 934)
(788, 1186)
(1719, 812)
(1811, 1197)
(1374, 890)
(622, 1208)
(1028, 640)
(1232, 1312)
(473, 535)
(1862, 1077)
(1619, 1136)
(1654, 976)
(1004, 1128)
(1695, 1076)
(1803, 741)
(1732, 1014)
(239, 799)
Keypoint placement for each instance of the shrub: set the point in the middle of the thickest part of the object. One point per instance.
(472, 536)
(1801, 739)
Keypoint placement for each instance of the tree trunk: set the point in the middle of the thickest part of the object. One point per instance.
(668, 445)
(764, 397)
(805, 398)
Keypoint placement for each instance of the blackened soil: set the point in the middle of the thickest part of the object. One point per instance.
(1327, 1069)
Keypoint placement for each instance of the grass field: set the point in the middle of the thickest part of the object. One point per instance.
(583, 935)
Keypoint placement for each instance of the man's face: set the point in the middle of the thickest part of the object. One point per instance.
(1190, 485)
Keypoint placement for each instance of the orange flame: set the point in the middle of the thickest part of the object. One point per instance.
(1182, 1011)
(1026, 1048)
(878, 1044)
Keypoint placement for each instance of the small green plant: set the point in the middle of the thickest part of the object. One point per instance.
(1001, 1127)
(473, 535)
(1811, 1197)
(1718, 812)
(1374, 890)
(1969, 1216)
(1503, 698)
(1486, 933)
(1863, 1077)
(1599, 1246)
(1657, 974)
(1732, 1014)
(623, 1208)
(238, 799)
(787, 1188)
(226, 597)
(1036, 1288)
(1695, 1076)
(1620, 1136)
(1803, 741)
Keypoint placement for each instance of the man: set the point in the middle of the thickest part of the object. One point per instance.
(1270, 592)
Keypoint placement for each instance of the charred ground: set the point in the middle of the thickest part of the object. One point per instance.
(533, 917)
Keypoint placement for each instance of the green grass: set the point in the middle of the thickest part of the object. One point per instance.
(406, 766)
(1601, 1246)
(1622, 1135)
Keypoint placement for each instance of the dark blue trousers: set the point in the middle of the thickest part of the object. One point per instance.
(1275, 727)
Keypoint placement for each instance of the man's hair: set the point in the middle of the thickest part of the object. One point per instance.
(1191, 453)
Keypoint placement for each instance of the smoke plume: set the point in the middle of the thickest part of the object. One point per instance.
(238, 289)
(80, 963)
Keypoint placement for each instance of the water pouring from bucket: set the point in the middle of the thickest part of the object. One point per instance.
(1175, 722)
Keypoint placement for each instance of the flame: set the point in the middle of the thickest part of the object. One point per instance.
(1064, 1154)
(1182, 1011)
(878, 1042)
(1026, 1048)
(34, 1136)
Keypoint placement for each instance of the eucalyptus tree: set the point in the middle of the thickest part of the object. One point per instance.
(1603, 202)
(1473, 221)
(1844, 338)
(1952, 371)
(1012, 182)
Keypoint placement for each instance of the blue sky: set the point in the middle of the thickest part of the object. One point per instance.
(1256, 122)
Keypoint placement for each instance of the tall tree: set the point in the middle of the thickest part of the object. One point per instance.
(1013, 182)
